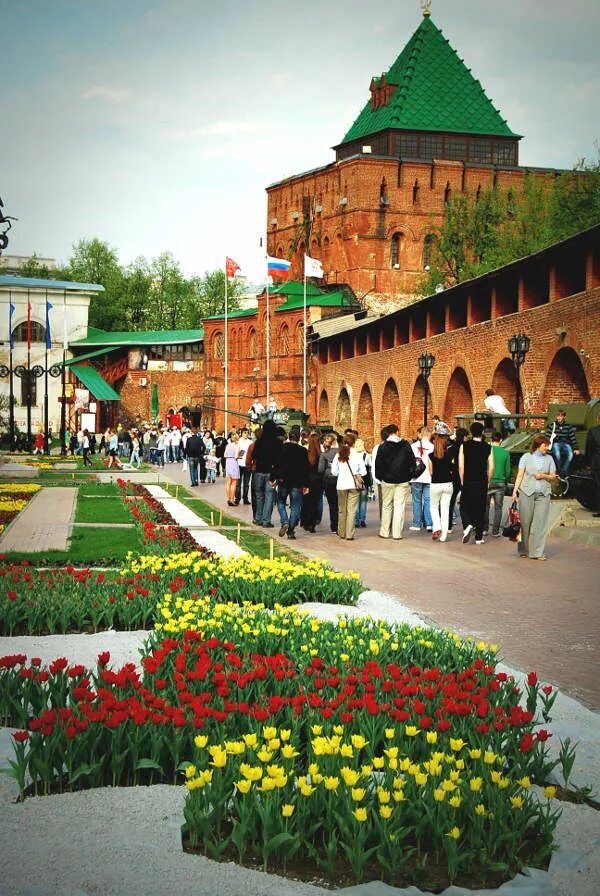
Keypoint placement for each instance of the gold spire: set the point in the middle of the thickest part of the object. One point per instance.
(426, 7)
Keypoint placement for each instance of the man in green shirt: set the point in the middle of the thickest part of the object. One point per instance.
(497, 485)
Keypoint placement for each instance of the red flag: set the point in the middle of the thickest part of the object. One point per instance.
(28, 325)
(231, 267)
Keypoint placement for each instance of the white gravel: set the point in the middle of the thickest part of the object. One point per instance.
(127, 841)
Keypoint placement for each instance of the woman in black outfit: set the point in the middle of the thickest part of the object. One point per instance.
(453, 448)
(330, 449)
(315, 484)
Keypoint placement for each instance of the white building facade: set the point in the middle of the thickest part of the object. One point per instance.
(38, 319)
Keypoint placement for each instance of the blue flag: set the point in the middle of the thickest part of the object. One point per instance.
(48, 336)
(11, 311)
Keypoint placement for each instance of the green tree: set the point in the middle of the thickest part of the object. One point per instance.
(93, 261)
(208, 296)
(137, 289)
(33, 268)
(575, 201)
(169, 294)
(495, 227)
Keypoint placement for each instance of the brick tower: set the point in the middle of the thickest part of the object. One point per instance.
(427, 132)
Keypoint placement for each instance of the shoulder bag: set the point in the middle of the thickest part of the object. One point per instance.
(358, 480)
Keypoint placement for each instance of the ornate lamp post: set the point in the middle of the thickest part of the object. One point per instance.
(426, 362)
(24, 372)
(518, 346)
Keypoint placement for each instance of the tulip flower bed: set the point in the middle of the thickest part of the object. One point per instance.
(329, 766)
(248, 579)
(57, 601)
(158, 530)
(13, 498)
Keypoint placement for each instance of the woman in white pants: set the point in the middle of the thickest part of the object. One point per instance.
(349, 468)
(440, 464)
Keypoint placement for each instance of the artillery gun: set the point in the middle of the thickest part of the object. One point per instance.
(519, 430)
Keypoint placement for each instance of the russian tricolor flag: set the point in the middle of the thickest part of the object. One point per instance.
(278, 268)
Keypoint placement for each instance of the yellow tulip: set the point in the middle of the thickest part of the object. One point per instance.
(454, 833)
(243, 785)
(385, 811)
(358, 794)
(287, 810)
(360, 814)
(201, 741)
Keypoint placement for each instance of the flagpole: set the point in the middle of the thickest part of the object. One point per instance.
(11, 392)
(63, 379)
(226, 359)
(28, 373)
(46, 430)
(268, 353)
(304, 345)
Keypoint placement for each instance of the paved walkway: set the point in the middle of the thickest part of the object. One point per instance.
(44, 525)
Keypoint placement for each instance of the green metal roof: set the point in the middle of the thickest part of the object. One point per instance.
(323, 300)
(296, 287)
(144, 337)
(96, 383)
(94, 354)
(239, 312)
(434, 91)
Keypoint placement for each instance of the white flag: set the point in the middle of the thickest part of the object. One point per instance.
(313, 267)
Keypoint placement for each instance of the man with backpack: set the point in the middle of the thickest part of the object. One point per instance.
(394, 468)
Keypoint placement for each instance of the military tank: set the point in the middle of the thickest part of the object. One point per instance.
(519, 430)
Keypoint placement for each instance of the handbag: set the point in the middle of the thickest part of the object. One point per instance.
(513, 528)
(358, 480)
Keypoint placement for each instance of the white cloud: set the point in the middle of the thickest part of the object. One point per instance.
(104, 92)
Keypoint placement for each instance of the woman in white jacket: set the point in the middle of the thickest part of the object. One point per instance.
(349, 468)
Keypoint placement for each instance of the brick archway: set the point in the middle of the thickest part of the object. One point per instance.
(566, 380)
(323, 413)
(365, 419)
(459, 398)
(390, 404)
(417, 406)
(343, 411)
(504, 381)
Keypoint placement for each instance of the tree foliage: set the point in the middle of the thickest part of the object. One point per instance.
(485, 231)
(146, 294)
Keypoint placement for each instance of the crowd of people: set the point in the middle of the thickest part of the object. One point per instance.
(451, 478)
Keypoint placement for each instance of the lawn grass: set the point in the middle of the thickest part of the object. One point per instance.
(99, 509)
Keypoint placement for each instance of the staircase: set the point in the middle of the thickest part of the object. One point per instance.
(577, 524)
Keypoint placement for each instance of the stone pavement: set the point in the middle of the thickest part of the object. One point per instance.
(44, 525)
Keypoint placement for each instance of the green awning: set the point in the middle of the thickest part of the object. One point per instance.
(93, 381)
(97, 353)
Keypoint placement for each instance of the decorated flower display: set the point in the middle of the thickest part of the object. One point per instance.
(411, 746)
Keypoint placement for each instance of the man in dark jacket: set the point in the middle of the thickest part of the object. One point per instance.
(394, 467)
(563, 443)
(592, 456)
(194, 453)
(293, 474)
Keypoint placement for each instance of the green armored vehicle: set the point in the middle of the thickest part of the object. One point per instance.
(519, 430)
(286, 418)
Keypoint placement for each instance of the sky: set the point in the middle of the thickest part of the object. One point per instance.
(155, 125)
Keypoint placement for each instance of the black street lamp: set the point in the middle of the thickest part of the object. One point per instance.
(29, 374)
(426, 362)
(518, 346)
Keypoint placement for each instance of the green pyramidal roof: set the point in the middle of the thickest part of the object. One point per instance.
(433, 91)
